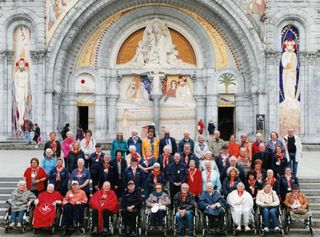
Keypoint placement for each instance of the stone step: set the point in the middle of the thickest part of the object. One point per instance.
(306, 180)
(4, 197)
(311, 192)
(314, 199)
(9, 184)
(10, 179)
(310, 186)
(314, 206)
(7, 190)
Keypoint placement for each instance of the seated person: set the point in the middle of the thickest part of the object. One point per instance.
(231, 181)
(184, 205)
(131, 203)
(297, 203)
(59, 176)
(272, 181)
(268, 201)
(286, 182)
(241, 203)
(158, 202)
(45, 212)
(73, 207)
(19, 201)
(104, 204)
(212, 204)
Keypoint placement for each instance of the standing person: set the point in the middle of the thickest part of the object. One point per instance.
(54, 144)
(273, 142)
(165, 159)
(82, 176)
(187, 156)
(215, 144)
(27, 127)
(59, 176)
(264, 156)
(154, 177)
(132, 154)
(168, 141)
(211, 128)
(286, 183)
(88, 144)
(223, 158)
(35, 177)
(49, 162)
(200, 148)
(108, 172)
(209, 158)
(177, 175)
(64, 131)
(246, 145)
(73, 156)
(119, 144)
(67, 145)
(136, 141)
(186, 139)
(151, 142)
(234, 148)
(194, 180)
(135, 174)
(280, 161)
(200, 127)
(231, 181)
(293, 150)
(96, 160)
(255, 145)
(36, 137)
(121, 166)
(209, 175)
(80, 133)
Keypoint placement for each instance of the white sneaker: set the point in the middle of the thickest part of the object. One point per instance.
(19, 225)
(238, 228)
(12, 224)
(247, 228)
(277, 229)
(265, 229)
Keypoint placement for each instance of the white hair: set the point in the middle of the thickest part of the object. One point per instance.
(80, 160)
(134, 131)
(49, 150)
(21, 182)
(69, 133)
(166, 147)
(132, 148)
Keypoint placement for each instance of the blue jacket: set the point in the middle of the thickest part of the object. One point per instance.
(138, 144)
(160, 179)
(191, 157)
(177, 173)
(183, 142)
(138, 178)
(206, 200)
(118, 145)
(48, 164)
(226, 189)
(62, 185)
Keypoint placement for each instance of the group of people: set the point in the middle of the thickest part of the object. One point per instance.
(162, 174)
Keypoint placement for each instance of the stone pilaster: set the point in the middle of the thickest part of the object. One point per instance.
(112, 98)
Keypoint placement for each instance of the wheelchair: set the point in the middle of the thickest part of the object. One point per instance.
(175, 223)
(138, 230)
(165, 226)
(260, 223)
(27, 217)
(204, 224)
(231, 227)
(290, 218)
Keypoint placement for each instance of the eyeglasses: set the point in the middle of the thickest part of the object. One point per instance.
(158, 188)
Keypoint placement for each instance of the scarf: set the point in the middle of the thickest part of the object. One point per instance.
(209, 176)
(87, 142)
(240, 193)
(155, 173)
(232, 181)
(192, 172)
(98, 156)
(258, 142)
(279, 156)
(183, 196)
(119, 159)
(252, 183)
(271, 181)
(79, 173)
(157, 194)
(288, 178)
(75, 152)
(165, 160)
(54, 146)
(106, 167)
(34, 172)
(59, 169)
(258, 171)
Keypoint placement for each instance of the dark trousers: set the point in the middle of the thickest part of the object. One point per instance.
(129, 218)
(73, 213)
(157, 219)
(173, 190)
(216, 221)
(106, 216)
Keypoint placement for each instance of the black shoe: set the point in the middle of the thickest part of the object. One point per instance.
(35, 231)
(94, 231)
(190, 233)
(133, 233)
(151, 228)
(105, 232)
(64, 230)
(160, 228)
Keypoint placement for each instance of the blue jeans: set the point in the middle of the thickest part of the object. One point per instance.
(189, 218)
(293, 164)
(268, 212)
(28, 141)
(17, 215)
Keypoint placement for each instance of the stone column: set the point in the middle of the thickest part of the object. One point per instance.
(156, 95)
(2, 92)
(212, 109)
(8, 83)
(112, 98)
(200, 107)
(101, 107)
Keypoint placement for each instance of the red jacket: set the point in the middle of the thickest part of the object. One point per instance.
(234, 149)
(110, 202)
(195, 185)
(200, 127)
(255, 148)
(40, 175)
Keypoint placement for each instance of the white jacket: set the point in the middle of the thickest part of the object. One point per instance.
(245, 199)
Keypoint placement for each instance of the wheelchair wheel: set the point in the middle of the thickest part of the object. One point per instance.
(82, 231)
(24, 228)
(139, 231)
(53, 229)
(203, 232)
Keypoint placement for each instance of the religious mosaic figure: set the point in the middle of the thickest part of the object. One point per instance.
(183, 92)
(256, 7)
(136, 92)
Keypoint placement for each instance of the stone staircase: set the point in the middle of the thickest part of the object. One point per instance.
(311, 187)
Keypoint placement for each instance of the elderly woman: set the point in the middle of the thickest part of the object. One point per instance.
(45, 212)
(67, 145)
(49, 162)
(244, 160)
(119, 144)
(231, 181)
(19, 201)
(82, 176)
(212, 176)
(268, 201)
(185, 206)
(132, 153)
(261, 173)
(54, 144)
(272, 181)
(73, 156)
(273, 142)
(59, 176)
(297, 203)
(241, 203)
(200, 148)
(154, 177)
(104, 204)
(213, 205)
(280, 161)
(252, 185)
(35, 177)
(286, 183)
(73, 207)
(158, 202)
(165, 159)
(87, 144)
(209, 158)
(95, 161)
(194, 180)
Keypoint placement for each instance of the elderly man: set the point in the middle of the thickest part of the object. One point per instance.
(132, 154)
(232, 162)
(151, 142)
(265, 156)
(246, 145)
(187, 156)
(134, 173)
(185, 206)
(95, 162)
(255, 145)
(200, 148)
(186, 139)
(215, 144)
(293, 150)
(165, 159)
(177, 175)
(19, 200)
(168, 141)
(135, 141)
(213, 205)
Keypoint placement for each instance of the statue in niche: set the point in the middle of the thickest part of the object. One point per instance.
(156, 48)
(21, 79)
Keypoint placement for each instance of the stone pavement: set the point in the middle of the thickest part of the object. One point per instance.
(14, 162)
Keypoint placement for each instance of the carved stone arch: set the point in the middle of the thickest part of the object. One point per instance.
(70, 87)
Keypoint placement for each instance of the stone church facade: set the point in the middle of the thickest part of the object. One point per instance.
(247, 65)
